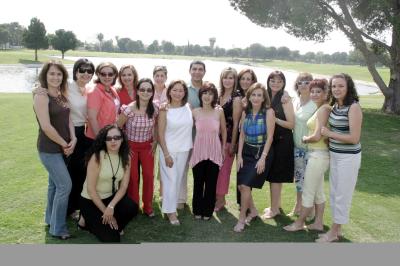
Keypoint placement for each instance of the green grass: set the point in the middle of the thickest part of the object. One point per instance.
(375, 213)
(26, 56)
(356, 72)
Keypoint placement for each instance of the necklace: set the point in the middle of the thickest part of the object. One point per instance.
(112, 170)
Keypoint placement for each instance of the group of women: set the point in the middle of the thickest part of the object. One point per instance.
(95, 141)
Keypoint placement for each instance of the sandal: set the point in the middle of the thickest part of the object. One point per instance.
(326, 239)
(312, 227)
(269, 214)
(197, 217)
(293, 228)
(250, 218)
(239, 227)
(63, 237)
(79, 226)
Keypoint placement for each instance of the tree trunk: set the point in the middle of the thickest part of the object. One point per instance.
(35, 54)
(391, 105)
(62, 55)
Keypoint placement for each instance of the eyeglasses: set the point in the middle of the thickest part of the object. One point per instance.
(87, 70)
(109, 74)
(304, 82)
(116, 137)
(146, 90)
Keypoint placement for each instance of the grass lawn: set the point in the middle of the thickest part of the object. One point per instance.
(26, 56)
(375, 213)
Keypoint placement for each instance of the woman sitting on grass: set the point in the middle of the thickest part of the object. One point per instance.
(105, 207)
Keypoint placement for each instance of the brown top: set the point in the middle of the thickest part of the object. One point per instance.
(59, 119)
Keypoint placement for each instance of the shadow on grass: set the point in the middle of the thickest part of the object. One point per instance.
(28, 62)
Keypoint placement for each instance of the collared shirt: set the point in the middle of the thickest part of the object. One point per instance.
(193, 98)
(106, 106)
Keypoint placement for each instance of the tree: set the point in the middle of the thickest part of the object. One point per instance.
(4, 37)
(35, 36)
(257, 50)
(64, 41)
(153, 48)
(283, 52)
(356, 57)
(15, 33)
(108, 46)
(235, 52)
(168, 47)
(362, 21)
(100, 37)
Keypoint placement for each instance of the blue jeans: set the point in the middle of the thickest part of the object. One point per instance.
(58, 192)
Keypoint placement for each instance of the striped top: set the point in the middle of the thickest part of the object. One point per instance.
(255, 130)
(339, 123)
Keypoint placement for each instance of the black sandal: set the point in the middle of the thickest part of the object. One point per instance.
(81, 227)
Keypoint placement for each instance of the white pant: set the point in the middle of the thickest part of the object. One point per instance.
(313, 187)
(343, 177)
(172, 179)
(182, 196)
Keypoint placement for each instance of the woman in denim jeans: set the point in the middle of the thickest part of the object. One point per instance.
(56, 141)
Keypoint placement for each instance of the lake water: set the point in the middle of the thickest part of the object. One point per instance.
(20, 78)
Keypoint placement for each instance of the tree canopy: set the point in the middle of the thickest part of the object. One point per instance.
(35, 36)
(366, 23)
(64, 41)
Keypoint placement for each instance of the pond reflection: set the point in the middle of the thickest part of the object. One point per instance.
(20, 78)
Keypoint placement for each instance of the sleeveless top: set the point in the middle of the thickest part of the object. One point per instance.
(178, 132)
(302, 114)
(339, 123)
(255, 130)
(59, 119)
(207, 145)
(228, 112)
(104, 180)
(311, 124)
(276, 104)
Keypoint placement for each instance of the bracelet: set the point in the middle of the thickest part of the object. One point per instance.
(110, 206)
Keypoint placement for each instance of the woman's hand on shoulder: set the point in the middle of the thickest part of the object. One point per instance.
(285, 98)
(163, 107)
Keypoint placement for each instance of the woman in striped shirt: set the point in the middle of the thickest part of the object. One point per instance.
(344, 149)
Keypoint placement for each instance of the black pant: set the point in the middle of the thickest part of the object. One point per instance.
(205, 175)
(77, 168)
(124, 211)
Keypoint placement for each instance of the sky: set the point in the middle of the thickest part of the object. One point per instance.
(179, 21)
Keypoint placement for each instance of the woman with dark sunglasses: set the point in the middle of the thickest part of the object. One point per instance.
(103, 101)
(140, 121)
(105, 207)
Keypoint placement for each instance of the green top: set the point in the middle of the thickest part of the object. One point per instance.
(302, 114)
(311, 124)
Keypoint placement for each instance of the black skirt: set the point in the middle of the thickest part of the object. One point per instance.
(247, 175)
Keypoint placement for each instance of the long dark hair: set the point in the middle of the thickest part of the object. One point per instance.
(274, 74)
(150, 105)
(351, 95)
(99, 145)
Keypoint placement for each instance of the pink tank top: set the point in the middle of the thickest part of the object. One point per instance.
(207, 144)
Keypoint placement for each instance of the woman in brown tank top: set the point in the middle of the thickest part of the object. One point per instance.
(56, 141)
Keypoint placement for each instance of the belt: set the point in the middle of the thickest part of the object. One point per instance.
(254, 145)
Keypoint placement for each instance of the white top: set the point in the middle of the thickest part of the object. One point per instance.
(178, 132)
(78, 104)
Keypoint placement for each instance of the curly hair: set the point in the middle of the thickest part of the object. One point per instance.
(99, 145)
(351, 95)
(150, 105)
(264, 105)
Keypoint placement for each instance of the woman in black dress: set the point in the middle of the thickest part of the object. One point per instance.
(283, 162)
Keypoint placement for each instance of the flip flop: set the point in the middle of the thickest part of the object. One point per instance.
(292, 228)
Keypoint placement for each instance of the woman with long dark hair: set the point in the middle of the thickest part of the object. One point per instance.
(105, 207)
(140, 120)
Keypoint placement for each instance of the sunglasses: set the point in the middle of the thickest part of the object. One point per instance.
(145, 90)
(109, 74)
(116, 137)
(85, 70)
(304, 82)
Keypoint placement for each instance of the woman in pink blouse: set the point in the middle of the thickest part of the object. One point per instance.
(139, 118)
(207, 155)
(102, 101)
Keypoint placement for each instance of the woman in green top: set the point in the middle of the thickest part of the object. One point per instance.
(105, 207)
